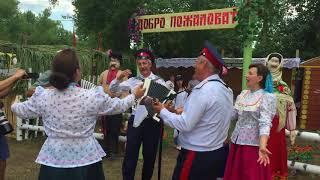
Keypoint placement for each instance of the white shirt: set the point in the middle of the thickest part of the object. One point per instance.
(69, 118)
(139, 111)
(181, 99)
(204, 123)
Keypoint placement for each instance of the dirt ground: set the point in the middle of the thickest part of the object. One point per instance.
(21, 165)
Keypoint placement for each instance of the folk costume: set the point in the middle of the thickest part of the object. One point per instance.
(284, 119)
(69, 117)
(142, 129)
(111, 124)
(254, 112)
(203, 126)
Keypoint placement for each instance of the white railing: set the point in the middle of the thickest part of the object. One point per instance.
(309, 136)
(314, 137)
(28, 127)
(314, 169)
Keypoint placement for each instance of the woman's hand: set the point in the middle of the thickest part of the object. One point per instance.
(19, 73)
(139, 91)
(264, 156)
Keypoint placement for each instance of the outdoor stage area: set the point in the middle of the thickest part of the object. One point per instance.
(21, 165)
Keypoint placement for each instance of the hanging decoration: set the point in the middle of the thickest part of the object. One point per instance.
(133, 27)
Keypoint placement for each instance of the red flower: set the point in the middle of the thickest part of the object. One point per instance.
(281, 88)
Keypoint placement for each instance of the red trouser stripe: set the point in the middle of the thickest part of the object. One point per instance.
(185, 171)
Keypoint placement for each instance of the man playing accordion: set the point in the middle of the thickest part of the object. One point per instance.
(141, 127)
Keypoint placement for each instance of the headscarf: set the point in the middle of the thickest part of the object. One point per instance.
(277, 72)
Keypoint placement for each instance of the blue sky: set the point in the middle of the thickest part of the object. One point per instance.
(62, 8)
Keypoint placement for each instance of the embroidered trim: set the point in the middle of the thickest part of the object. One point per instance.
(252, 106)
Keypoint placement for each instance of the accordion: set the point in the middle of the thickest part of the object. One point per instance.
(155, 90)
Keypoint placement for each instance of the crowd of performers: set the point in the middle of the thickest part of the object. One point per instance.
(201, 116)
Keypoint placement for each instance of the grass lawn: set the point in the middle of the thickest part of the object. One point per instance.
(21, 163)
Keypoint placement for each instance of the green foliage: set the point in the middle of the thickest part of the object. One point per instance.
(38, 58)
(249, 19)
(111, 17)
(302, 30)
(275, 25)
(282, 26)
(27, 28)
(8, 8)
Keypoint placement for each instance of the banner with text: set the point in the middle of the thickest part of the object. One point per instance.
(188, 21)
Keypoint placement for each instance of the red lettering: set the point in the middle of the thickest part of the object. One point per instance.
(162, 22)
(187, 21)
(210, 18)
(140, 26)
(234, 14)
(156, 22)
(173, 21)
(225, 18)
(203, 18)
(145, 24)
(179, 21)
(217, 18)
(196, 20)
(151, 23)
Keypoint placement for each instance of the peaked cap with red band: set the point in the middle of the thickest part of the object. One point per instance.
(211, 53)
(144, 54)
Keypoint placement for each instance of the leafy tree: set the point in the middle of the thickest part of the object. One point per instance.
(302, 30)
(281, 26)
(28, 28)
(111, 17)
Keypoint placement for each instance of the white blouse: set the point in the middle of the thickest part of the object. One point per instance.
(69, 118)
(254, 111)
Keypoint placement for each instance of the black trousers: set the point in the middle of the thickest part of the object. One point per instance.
(112, 124)
(148, 133)
(192, 165)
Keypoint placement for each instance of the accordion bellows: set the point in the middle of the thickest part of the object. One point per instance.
(154, 90)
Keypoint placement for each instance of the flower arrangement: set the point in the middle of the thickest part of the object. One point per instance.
(133, 26)
(301, 153)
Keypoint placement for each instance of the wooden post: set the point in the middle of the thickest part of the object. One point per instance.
(222, 53)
